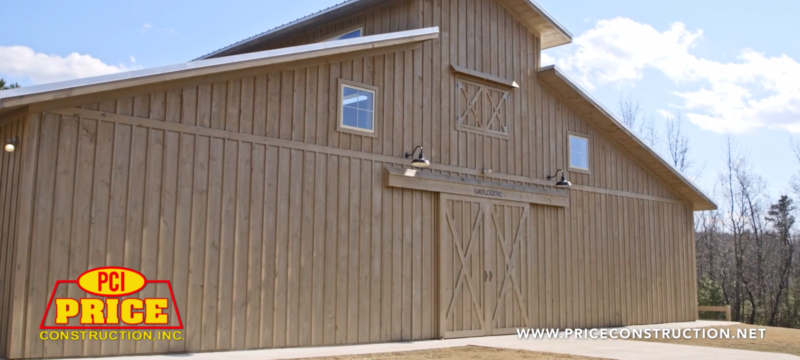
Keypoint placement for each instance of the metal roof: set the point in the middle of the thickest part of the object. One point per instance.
(531, 14)
(27, 95)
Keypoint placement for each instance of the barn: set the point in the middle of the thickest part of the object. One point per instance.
(382, 170)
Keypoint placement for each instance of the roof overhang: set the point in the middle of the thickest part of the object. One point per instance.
(551, 33)
(603, 121)
(10, 100)
(528, 12)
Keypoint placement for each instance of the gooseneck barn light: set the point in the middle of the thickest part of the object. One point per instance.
(561, 183)
(11, 144)
(421, 162)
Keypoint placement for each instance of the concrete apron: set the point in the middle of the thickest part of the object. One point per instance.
(609, 349)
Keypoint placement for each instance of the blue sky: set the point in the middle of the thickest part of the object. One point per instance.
(727, 66)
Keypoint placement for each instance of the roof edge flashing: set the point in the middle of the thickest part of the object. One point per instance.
(63, 89)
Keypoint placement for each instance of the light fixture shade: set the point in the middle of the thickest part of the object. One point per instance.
(420, 163)
(563, 182)
(11, 144)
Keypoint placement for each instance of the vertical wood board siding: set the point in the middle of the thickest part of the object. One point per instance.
(10, 170)
(278, 246)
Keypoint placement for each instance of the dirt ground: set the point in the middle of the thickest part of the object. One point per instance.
(464, 352)
(778, 340)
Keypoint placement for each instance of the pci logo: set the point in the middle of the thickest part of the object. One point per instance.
(113, 309)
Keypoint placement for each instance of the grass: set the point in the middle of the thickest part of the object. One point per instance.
(463, 352)
(777, 340)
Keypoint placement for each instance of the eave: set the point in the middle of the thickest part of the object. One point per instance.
(602, 120)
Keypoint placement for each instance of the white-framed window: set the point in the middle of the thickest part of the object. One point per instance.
(349, 34)
(578, 152)
(357, 108)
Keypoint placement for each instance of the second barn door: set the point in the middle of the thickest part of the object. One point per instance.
(484, 257)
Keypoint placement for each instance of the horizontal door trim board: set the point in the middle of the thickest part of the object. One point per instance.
(427, 181)
(483, 76)
(224, 134)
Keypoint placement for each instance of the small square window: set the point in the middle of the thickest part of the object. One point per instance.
(357, 108)
(347, 35)
(578, 152)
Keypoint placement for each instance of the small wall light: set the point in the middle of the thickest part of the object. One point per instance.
(487, 171)
(420, 162)
(11, 144)
(561, 183)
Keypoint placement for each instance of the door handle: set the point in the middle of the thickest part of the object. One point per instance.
(484, 275)
(490, 276)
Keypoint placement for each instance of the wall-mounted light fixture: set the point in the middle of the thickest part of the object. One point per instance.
(487, 171)
(11, 144)
(561, 183)
(420, 162)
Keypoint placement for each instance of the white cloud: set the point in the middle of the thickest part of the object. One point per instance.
(133, 59)
(22, 61)
(666, 114)
(751, 92)
(147, 26)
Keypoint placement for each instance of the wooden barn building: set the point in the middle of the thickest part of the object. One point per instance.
(268, 182)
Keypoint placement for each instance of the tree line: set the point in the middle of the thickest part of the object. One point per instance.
(747, 251)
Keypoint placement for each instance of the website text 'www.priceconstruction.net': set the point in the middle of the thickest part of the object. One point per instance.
(641, 333)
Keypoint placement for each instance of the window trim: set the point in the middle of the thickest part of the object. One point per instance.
(340, 33)
(340, 127)
(588, 153)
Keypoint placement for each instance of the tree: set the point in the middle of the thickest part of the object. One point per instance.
(632, 118)
(678, 144)
(4, 86)
(781, 217)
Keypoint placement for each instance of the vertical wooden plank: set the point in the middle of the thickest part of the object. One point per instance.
(227, 242)
(197, 245)
(180, 267)
(365, 251)
(204, 105)
(305, 283)
(269, 251)
(233, 105)
(330, 335)
(256, 241)
(342, 262)
(318, 317)
(248, 104)
(211, 274)
(241, 244)
(135, 211)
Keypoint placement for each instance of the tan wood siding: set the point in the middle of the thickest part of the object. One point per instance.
(10, 170)
(247, 233)
(277, 230)
(416, 100)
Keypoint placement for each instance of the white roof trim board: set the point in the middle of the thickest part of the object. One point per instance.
(32, 94)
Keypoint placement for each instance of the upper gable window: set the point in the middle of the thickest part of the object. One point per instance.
(578, 152)
(356, 108)
(347, 35)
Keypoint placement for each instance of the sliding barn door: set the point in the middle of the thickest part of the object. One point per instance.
(484, 257)
(507, 241)
(462, 234)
